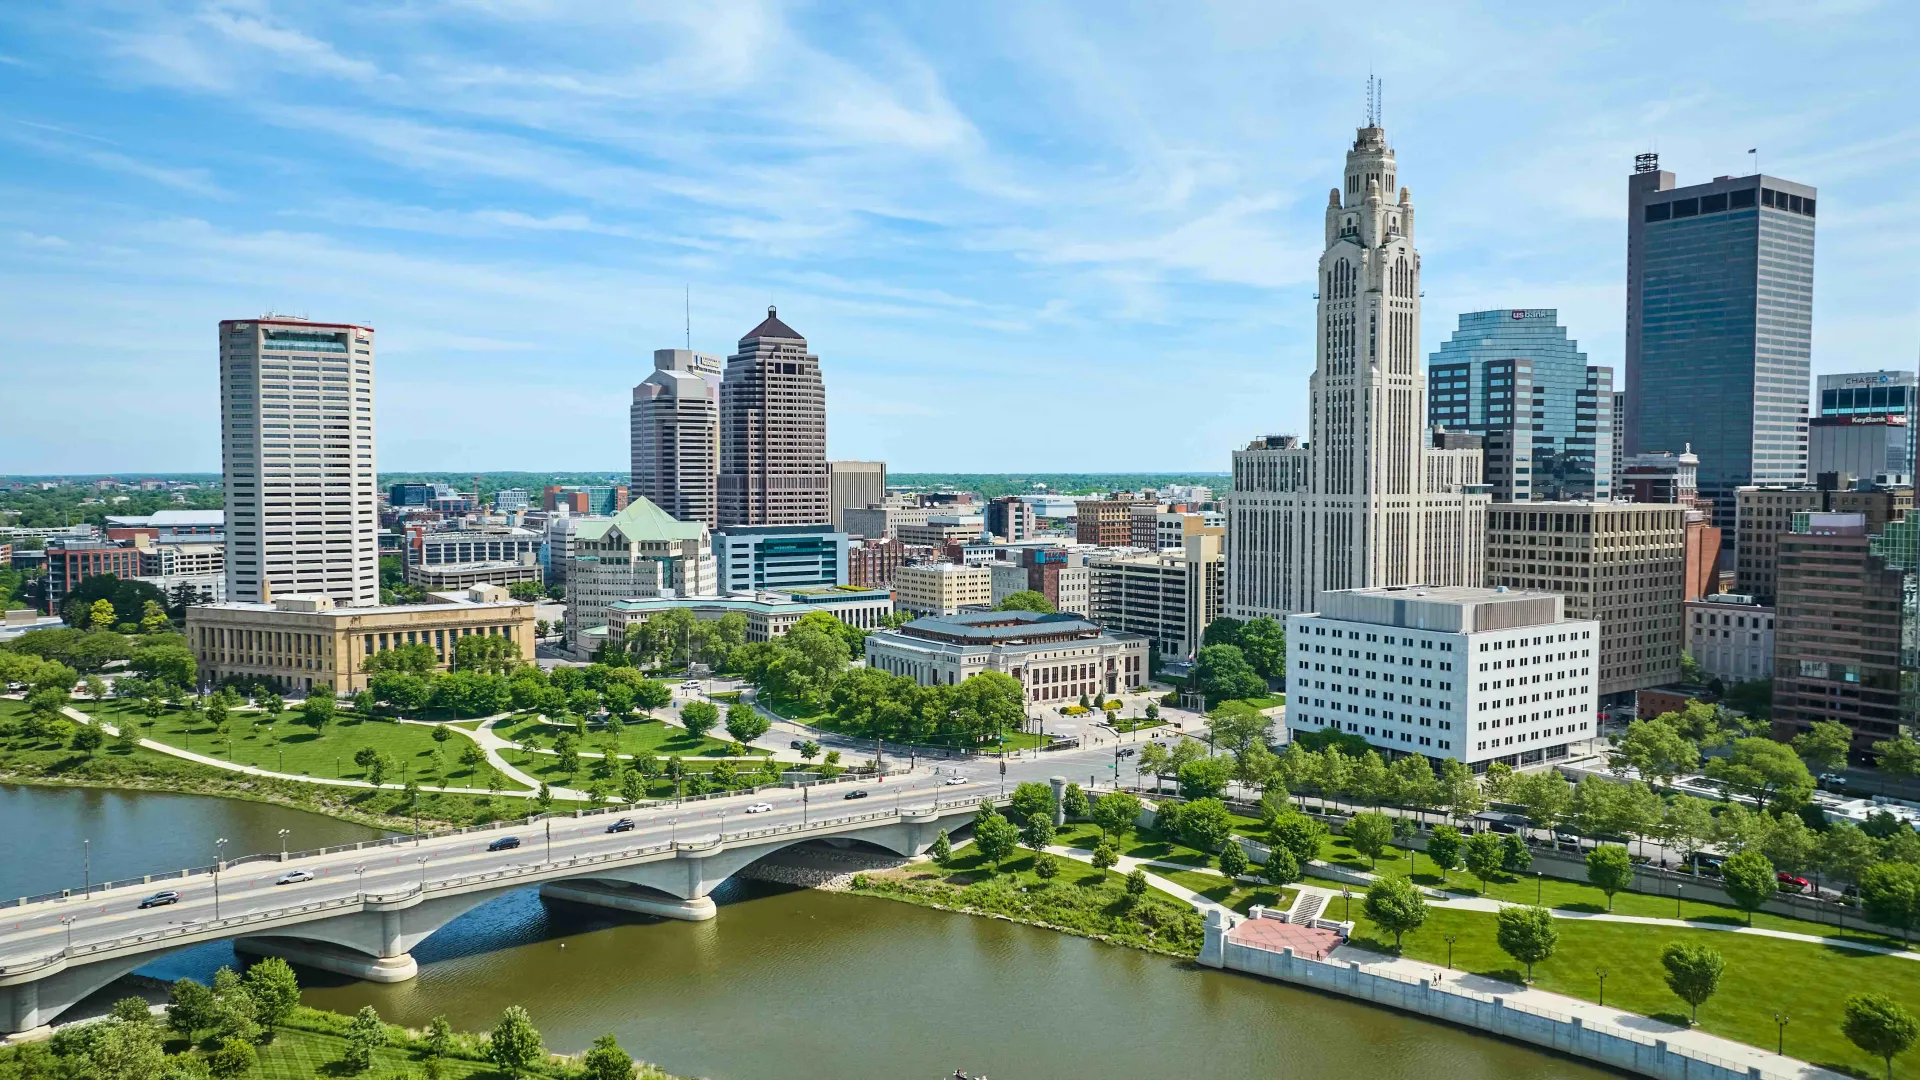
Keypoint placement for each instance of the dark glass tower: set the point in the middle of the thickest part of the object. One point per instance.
(1720, 327)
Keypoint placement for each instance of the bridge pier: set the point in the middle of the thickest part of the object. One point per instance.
(609, 894)
(335, 958)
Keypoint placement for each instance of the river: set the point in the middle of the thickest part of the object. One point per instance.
(792, 984)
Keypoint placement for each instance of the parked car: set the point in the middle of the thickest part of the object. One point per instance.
(625, 824)
(856, 793)
(160, 899)
(295, 877)
(760, 808)
(504, 843)
(1792, 883)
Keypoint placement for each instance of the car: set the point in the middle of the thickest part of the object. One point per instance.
(952, 780)
(856, 793)
(760, 808)
(294, 877)
(505, 843)
(625, 824)
(1792, 882)
(160, 899)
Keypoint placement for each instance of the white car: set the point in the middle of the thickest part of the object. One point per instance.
(294, 877)
(952, 780)
(760, 808)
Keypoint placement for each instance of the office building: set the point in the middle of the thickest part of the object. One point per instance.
(773, 432)
(1839, 628)
(1469, 674)
(298, 643)
(1874, 394)
(1720, 326)
(1169, 597)
(641, 551)
(943, 529)
(1366, 502)
(1859, 446)
(1106, 522)
(855, 485)
(1731, 637)
(1057, 658)
(1010, 518)
(1622, 565)
(297, 437)
(942, 588)
(769, 614)
(674, 424)
(1516, 378)
(755, 558)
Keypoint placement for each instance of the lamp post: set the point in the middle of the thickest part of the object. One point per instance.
(1780, 1033)
(219, 847)
(283, 844)
(1601, 974)
(1450, 940)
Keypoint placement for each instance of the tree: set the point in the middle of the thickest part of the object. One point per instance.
(1205, 778)
(941, 850)
(1890, 895)
(1221, 673)
(1395, 905)
(233, 1058)
(275, 990)
(606, 1061)
(745, 723)
(1371, 834)
(1749, 881)
(364, 1035)
(1881, 1026)
(514, 1046)
(1527, 934)
(1233, 860)
(1609, 869)
(1443, 849)
(189, 1008)
(1206, 824)
(1765, 771)
(1693, 973)
(996, 837)
(1824, 745)
(1483, 855)
(1302, 836)
(699, 717)
(1026, 600)
(1115, 813)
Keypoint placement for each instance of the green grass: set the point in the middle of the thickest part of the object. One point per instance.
(640, 737)
(295, 749)
(1808, 982)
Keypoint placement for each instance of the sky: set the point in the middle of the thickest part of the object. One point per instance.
(1021, 236)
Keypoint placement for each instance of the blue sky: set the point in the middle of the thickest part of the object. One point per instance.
(1021, 236)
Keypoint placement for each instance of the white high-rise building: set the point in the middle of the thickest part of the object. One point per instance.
(1366, 502)
(296, 419)
(675, 428)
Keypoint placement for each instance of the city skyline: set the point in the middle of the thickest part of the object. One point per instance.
(946, 242)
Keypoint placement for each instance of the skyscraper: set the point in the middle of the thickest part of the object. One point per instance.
(773, 431)
(1515, 376)
(675, 428)
(296, 419)
(1366, 502)
(1720, 326)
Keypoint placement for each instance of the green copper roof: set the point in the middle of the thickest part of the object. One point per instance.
(641, 521)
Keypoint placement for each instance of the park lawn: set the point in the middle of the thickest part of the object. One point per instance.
(1808, 982)
(294, 749)
(648, 736)
(546, 767)
(1239, 895)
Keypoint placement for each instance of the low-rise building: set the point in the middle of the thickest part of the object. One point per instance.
(942, 588)
(1731, 637)
(299, 642)
(1473, 674)
(1057, 658)
(1169, 597)
(769, 614)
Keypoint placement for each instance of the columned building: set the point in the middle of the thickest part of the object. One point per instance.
(675, 429)
(1362, 504)
(773, 432)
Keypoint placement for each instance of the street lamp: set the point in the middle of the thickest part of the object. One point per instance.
(1450, 940)
(1780, 1033)
(283, 844)
(1601, 973)
(219, 857)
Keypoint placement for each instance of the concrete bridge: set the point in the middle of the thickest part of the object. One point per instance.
(365, 908)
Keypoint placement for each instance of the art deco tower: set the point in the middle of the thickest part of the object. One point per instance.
(1366, 502)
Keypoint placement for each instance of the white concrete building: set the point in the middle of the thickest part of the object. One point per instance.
(1476, 675)
(1057, 658)
(297, 445)
(942, 588)
(1359, 505)
(1731, 636)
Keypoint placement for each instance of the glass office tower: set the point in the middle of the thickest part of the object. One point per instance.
(1515, 377)
(1720, 327)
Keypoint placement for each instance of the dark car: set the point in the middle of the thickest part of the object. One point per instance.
(625, 824)
(504, 843)
(856, 793)
(161, 899)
